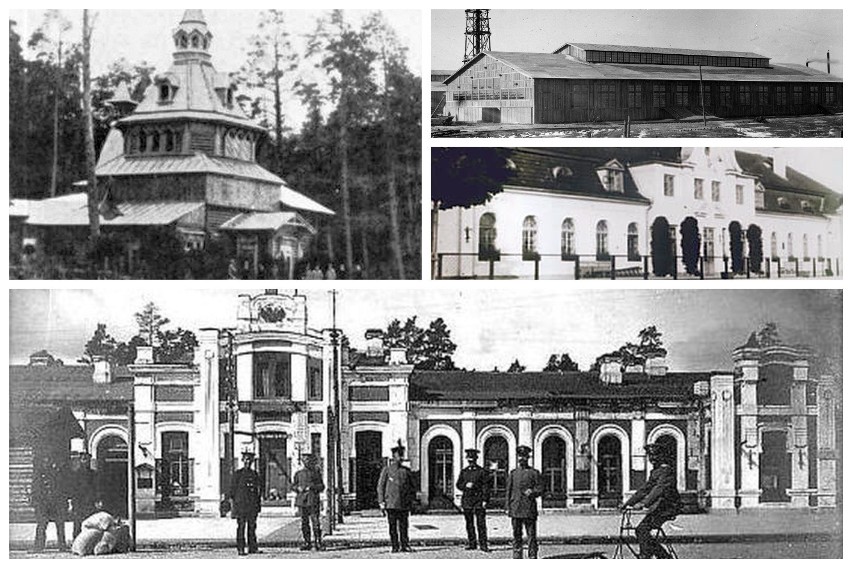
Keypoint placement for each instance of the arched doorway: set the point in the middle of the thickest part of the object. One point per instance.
(368, 467)
(553, 467)
(441, 473)
(112, 474)
(669, 446)
(775, 469)
(609, 471)
(496, 459)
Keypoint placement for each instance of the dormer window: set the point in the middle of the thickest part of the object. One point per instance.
(759, 197)
(182, 42)
(612, 176)
(165, 93)
(561, 172)
(807, 207)
(229, 97)
(783, 203)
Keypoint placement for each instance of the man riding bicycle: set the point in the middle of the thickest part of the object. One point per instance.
(660, 497)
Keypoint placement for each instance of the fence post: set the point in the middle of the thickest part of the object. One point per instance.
(645, 266)
(537, 260)
(491, 268)
(674, 267)
(577, 268)
(701, 267)
(612, 267)
(813, 267)
(778, 266)
(836, 267)
(748, 268)
(797, 266)
(725, 258)
(768, 268)
(440, 274)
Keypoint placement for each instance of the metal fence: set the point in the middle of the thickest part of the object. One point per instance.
(536, 266)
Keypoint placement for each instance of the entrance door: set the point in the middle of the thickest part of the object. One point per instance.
(441, 473)
(490, 114)
(112, 474)
(368, 467)
(774, 468)
(609, 472)
(274, 467)
(497, 460)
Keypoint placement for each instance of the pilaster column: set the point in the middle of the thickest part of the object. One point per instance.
(826, 443)
(637, 444)
(525, 426)
(722, 444)
(750, 447)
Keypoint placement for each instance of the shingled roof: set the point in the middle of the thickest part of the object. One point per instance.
(432, 386)
(66, 384)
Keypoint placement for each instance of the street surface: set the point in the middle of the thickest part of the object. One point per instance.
(830, 549)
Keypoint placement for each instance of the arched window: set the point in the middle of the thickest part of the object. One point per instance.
(602, 240)
(441, 473)
(487, 236)
(790, 246)
(143, 141)
(633, 241)
(496, 452)
(553, 467)
(170, 141)
(529, 236)
(773, 245)
(183, 42)
(568, 250)
(155, 142)
(805, 254)
(195, 42)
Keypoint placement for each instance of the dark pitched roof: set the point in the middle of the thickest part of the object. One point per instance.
(793, 184)
(535, 169)
(501, 386)
(559, 66)
(66, 384)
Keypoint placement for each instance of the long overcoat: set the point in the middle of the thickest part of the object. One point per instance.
(475, 484)
(308, 485)
(519, 505)
(245, 493)
(396, 487)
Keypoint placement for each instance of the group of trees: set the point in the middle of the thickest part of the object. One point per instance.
(358, 152)
(170, 345)
(427, 348)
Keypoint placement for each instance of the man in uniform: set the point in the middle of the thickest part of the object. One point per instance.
(522, 488)
(396, 496)
(308, 486)
(475, 484)
(662, 499)
(245, 504)
(49, 498)
(83, 490)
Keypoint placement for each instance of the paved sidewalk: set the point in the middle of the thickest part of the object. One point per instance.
(555, 527)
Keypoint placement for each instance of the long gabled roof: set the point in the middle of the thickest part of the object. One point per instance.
(430, 386)
(559, 66)
(66, 384)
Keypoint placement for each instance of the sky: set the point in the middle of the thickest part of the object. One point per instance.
(785, 36)
(491, 327)
(145, 35)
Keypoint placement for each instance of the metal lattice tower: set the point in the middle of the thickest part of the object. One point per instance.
(477, 33)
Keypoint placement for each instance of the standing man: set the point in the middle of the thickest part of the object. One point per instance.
(396, 496)
(522, 489)
(309, 486)
(475, 484)
(49, 498)
(245, 504)
(662, 499)
(83, 491)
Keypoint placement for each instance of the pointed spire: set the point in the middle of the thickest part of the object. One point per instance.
(194, 16)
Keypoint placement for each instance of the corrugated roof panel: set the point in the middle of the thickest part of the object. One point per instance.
(667, 50)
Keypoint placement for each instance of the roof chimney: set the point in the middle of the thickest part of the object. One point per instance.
(828, 62)
(144, 355)
(102, 372)
(397, 356)
(611, 371)
(779, 163)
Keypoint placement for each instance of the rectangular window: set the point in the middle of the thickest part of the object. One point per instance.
(634, 95)
(369, 394)
(725, 95)
(797, 95)
(699, 188)
(708, 100)
(715, 191)
(315, 379)
(316, 444)
(829, 95)
(780, 96)
(682, 95)
(709, 242)
(744, 95)
(813, 94)
(659, 96)
(605, 95)
(763, 95)
(740, 194)
(271, 375)
(668, 185)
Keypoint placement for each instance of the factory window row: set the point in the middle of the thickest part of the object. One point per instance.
(674, 59)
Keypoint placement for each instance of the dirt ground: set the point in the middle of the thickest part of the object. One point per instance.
(776, 127)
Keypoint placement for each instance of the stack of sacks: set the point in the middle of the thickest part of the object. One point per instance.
(102, 534)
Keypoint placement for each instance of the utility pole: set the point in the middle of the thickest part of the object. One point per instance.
(131, 477)
(701, 86)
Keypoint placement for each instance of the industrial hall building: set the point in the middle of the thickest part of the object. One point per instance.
(761, 433)
(582, 82)
(609, 212)
(180, 164)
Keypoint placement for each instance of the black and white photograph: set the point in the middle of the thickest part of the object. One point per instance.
(652, 213)
(429, 423)
(215, 144)
(521, 73)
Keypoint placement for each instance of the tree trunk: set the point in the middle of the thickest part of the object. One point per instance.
(93, 196)
(344, 185)
(393, 199)
(56, 89)
(279, 128)
(436, 206)
(365, 253)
